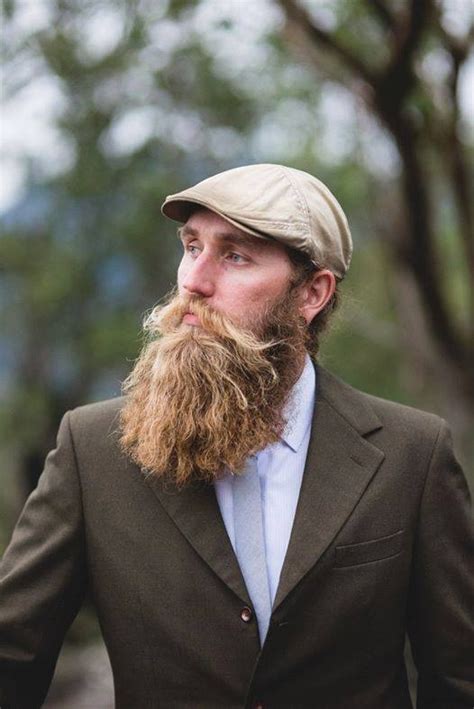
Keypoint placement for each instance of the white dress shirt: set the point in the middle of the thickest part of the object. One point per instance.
(280, 470)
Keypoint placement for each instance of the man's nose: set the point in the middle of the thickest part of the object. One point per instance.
(199, 278)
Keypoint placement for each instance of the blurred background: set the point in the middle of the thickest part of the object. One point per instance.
(110, 105)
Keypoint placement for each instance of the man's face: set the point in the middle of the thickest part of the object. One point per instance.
(210, 385)
(236, 274)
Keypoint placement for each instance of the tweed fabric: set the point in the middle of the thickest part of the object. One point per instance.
(381, 545)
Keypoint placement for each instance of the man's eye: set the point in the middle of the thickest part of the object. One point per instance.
(192, 249)
(236, 258)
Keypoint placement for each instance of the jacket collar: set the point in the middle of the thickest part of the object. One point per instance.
(300, 407)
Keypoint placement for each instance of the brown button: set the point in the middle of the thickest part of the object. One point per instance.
(246, 614)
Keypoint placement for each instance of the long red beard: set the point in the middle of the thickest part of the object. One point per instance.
(203, 399)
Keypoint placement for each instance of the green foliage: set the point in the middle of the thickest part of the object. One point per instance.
(87, 252)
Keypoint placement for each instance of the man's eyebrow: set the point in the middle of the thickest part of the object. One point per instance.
(232, 237)
(186, 231)
(244, 239)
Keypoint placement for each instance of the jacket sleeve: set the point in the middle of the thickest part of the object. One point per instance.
(42, 579)
(441, 608)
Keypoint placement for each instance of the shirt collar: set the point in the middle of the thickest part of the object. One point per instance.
(300, 406)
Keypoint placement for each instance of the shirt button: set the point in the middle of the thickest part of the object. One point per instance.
(246, 614)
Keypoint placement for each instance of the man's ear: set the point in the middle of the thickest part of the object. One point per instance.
(315, 293)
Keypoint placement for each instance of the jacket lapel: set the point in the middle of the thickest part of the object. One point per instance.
(339, 466)
(195, 511)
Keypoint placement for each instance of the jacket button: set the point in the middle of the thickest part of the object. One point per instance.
(246, 614)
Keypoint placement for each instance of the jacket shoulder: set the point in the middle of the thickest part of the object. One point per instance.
(402, 413)
(368, 412)
(96, 421)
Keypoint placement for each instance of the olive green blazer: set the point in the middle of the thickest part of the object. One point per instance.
(381, 545)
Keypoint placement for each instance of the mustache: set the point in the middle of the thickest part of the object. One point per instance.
(168, 319)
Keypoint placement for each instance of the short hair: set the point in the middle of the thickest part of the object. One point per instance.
(304, 268)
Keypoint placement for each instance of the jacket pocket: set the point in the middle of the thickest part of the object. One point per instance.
(373, 550)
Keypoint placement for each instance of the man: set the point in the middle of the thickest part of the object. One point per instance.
(254, 532)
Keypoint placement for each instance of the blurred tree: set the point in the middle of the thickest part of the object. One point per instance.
(403, 63)
(81, 256)
(153, 95)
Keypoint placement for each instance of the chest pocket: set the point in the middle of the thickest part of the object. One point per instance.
(373, 550)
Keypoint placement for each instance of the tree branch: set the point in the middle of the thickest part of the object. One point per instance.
(460, 183)
(398, 78)
(385, 14)
(297, 15)
(419, 254)
(412, 30)
(459, 51)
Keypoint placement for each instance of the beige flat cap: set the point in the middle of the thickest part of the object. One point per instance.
(274, 201)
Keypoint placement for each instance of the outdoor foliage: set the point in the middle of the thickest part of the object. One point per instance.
(147, 97)
(404, 63)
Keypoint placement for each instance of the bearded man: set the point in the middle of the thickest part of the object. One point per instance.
(253, 531)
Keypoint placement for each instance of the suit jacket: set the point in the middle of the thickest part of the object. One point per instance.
(381, 544)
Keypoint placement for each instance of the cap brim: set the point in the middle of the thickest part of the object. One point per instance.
(180, 209)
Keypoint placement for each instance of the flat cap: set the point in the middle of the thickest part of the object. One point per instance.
(274, 201)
